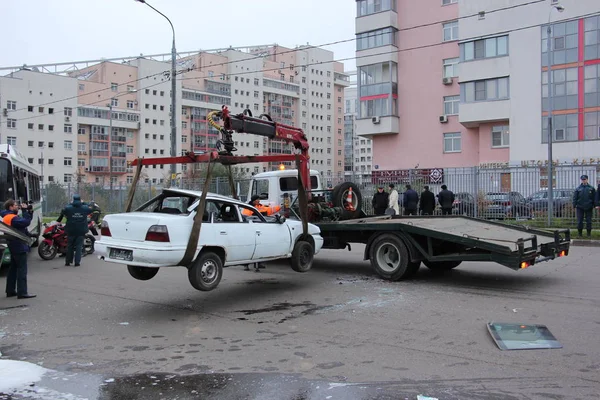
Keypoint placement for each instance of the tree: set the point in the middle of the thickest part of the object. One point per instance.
(55, 198)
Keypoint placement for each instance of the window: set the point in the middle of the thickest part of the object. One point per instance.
(184, 125)
(68, 111)
(162, 122)
(162, 92)
(67, 178)
(11, 105)
(591, 85)
(51, 161)
(451, 104)
(80, 147)
(51, 127)
(114, 87)
(12, 140)
(565, 127)
(564, 42)
(40, 144)
(68, 161)
(130, 104)
(485, 90)
(11, 123)
(592, 38)
(450, 31)
(51, 145)
(592, 125)
(30, 108)
(30, 143)
(484, 48)
(68, 145)
(452, 142)
(374, 80)
(451, 67)
(500, 136)
(30, 126)
(51, 111)
(41, 127)
(367, 7)
(68, 128)
(377, 38)
(564, 89)
(41, 109)
(446, 2)
(114, 102)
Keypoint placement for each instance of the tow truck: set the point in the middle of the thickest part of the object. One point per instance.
(396, 246)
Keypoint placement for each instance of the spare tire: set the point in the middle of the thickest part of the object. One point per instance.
(339, 195)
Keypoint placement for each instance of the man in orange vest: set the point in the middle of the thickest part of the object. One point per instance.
(16, 280)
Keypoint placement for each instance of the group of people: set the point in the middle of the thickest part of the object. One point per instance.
(388, 202)
(76, 227)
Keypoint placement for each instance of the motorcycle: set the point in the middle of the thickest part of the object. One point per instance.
(55, 240)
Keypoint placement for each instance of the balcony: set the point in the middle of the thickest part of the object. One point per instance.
(374, 126)
(341, 80)
(377, 55)
(471, 115)
(376, 21)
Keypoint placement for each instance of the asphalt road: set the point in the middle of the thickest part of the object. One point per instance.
(338, 330)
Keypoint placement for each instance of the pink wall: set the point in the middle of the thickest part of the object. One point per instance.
(487, 154)
(421, 92)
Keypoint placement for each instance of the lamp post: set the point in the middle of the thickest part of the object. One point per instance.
(559, 8)
(173, 95)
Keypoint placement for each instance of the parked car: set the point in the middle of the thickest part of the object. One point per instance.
(464, 204)
(501, 205)
(156, 236)
(562, 199)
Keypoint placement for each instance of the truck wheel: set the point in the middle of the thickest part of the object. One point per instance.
(389, 257)
(206, 272)
(302, 256)
(339, 196)
(441, 265)
(142, 273)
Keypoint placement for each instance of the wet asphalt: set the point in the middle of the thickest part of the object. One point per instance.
(336, 332)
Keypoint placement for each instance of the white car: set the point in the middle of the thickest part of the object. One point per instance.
(232, 233)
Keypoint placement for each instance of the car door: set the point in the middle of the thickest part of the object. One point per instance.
(272, 238)
(237, 237)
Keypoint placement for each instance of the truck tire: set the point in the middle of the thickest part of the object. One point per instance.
(339, 195)
(142, 273)
(302, 256)
(441, 265)
(206, 271)
(389, 258)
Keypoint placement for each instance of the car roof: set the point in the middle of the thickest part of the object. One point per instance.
(198, 193)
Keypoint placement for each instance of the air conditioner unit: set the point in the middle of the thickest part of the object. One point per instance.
(67, 119)
(443, 119)
(87, 169)
(5, 112)
(375, 120)
(447, 81)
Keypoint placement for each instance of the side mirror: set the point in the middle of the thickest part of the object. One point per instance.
(280, 218)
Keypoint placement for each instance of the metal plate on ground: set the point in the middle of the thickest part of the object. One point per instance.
(512, 336)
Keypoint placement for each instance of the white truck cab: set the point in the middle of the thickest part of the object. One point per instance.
(272, 185)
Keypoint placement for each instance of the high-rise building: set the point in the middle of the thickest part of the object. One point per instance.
(358, 154)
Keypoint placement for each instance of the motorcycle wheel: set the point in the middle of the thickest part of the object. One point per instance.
(88, 244)
(46, 251)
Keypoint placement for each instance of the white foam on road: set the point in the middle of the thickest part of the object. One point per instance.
(15, 375)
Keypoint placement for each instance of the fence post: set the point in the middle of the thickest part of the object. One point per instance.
(476, 190)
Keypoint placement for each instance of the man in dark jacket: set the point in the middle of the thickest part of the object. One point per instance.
(380, 201)
(583, 202)
(410, 201)
(16, 280)
(76, 228)
(427, 204)
(446, 199)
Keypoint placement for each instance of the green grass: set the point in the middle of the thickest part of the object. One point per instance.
(559, 224)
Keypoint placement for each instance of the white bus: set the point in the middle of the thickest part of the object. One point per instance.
(20, 181)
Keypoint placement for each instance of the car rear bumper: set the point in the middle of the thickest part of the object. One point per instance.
(141, 255)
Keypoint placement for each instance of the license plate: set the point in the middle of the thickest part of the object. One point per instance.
(120, 254)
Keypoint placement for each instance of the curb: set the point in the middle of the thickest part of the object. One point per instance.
(585, 243)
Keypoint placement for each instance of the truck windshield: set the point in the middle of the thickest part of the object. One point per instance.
(6, 181)
(291, 183)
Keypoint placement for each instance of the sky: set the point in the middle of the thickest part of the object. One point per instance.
(43, 32)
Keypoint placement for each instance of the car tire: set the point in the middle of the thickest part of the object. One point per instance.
(439, 266)
(302, 256)
(390, 259)
(206, 272)
(142, 273)
(338, 197)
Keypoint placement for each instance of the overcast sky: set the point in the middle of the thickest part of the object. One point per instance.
(49, 31)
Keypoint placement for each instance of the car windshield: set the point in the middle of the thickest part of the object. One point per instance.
(496, 196)
(169, 203)
(539, 195)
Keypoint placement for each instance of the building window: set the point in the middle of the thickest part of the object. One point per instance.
(565, 128)
(50, 127)
(114, 102)
(30, 143)
(12, 140)
(376, 92)
(451, 67)
(592, 125)
(41, 127)
(80, 147)
(30, 108)
(11, 123)
(367, 7)
(564, 89)
(592, 38)
(81, 162)
(500, 136)
(450, 31)
(452, 142)
(30, 126)
(11, 105)
(40, 144)
(446, 2)
(485, 90)
(591, 85)
(377, 38)
(130, 104)
(68, 145)
(451, 104)
(484, 48)
(68, 111)
(68, 128)
(114, 87)
(68, 161)
(564, 42)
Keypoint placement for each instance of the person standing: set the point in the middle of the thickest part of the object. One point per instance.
(16, 280)
(380, 201)
(393, 199)
(75, 228)
(427, 203)
(410, 201)
(584, 198)
(446, 199)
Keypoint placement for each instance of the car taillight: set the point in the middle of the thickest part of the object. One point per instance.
(507, 203)
(157, 233)
(104, 230)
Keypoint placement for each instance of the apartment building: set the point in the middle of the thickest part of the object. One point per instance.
(358, 153)
(472, 87)
(120, 111)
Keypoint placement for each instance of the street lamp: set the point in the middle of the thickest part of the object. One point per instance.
(173, 94)
(558, 8)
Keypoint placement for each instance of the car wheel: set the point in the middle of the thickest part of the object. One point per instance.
(441, 265)
(206, 272)
(142, 273)
(389, 258)
(302, 256)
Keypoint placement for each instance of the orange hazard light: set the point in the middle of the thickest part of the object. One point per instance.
(524, 265)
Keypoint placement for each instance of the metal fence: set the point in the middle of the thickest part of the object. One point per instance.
(480, 192)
